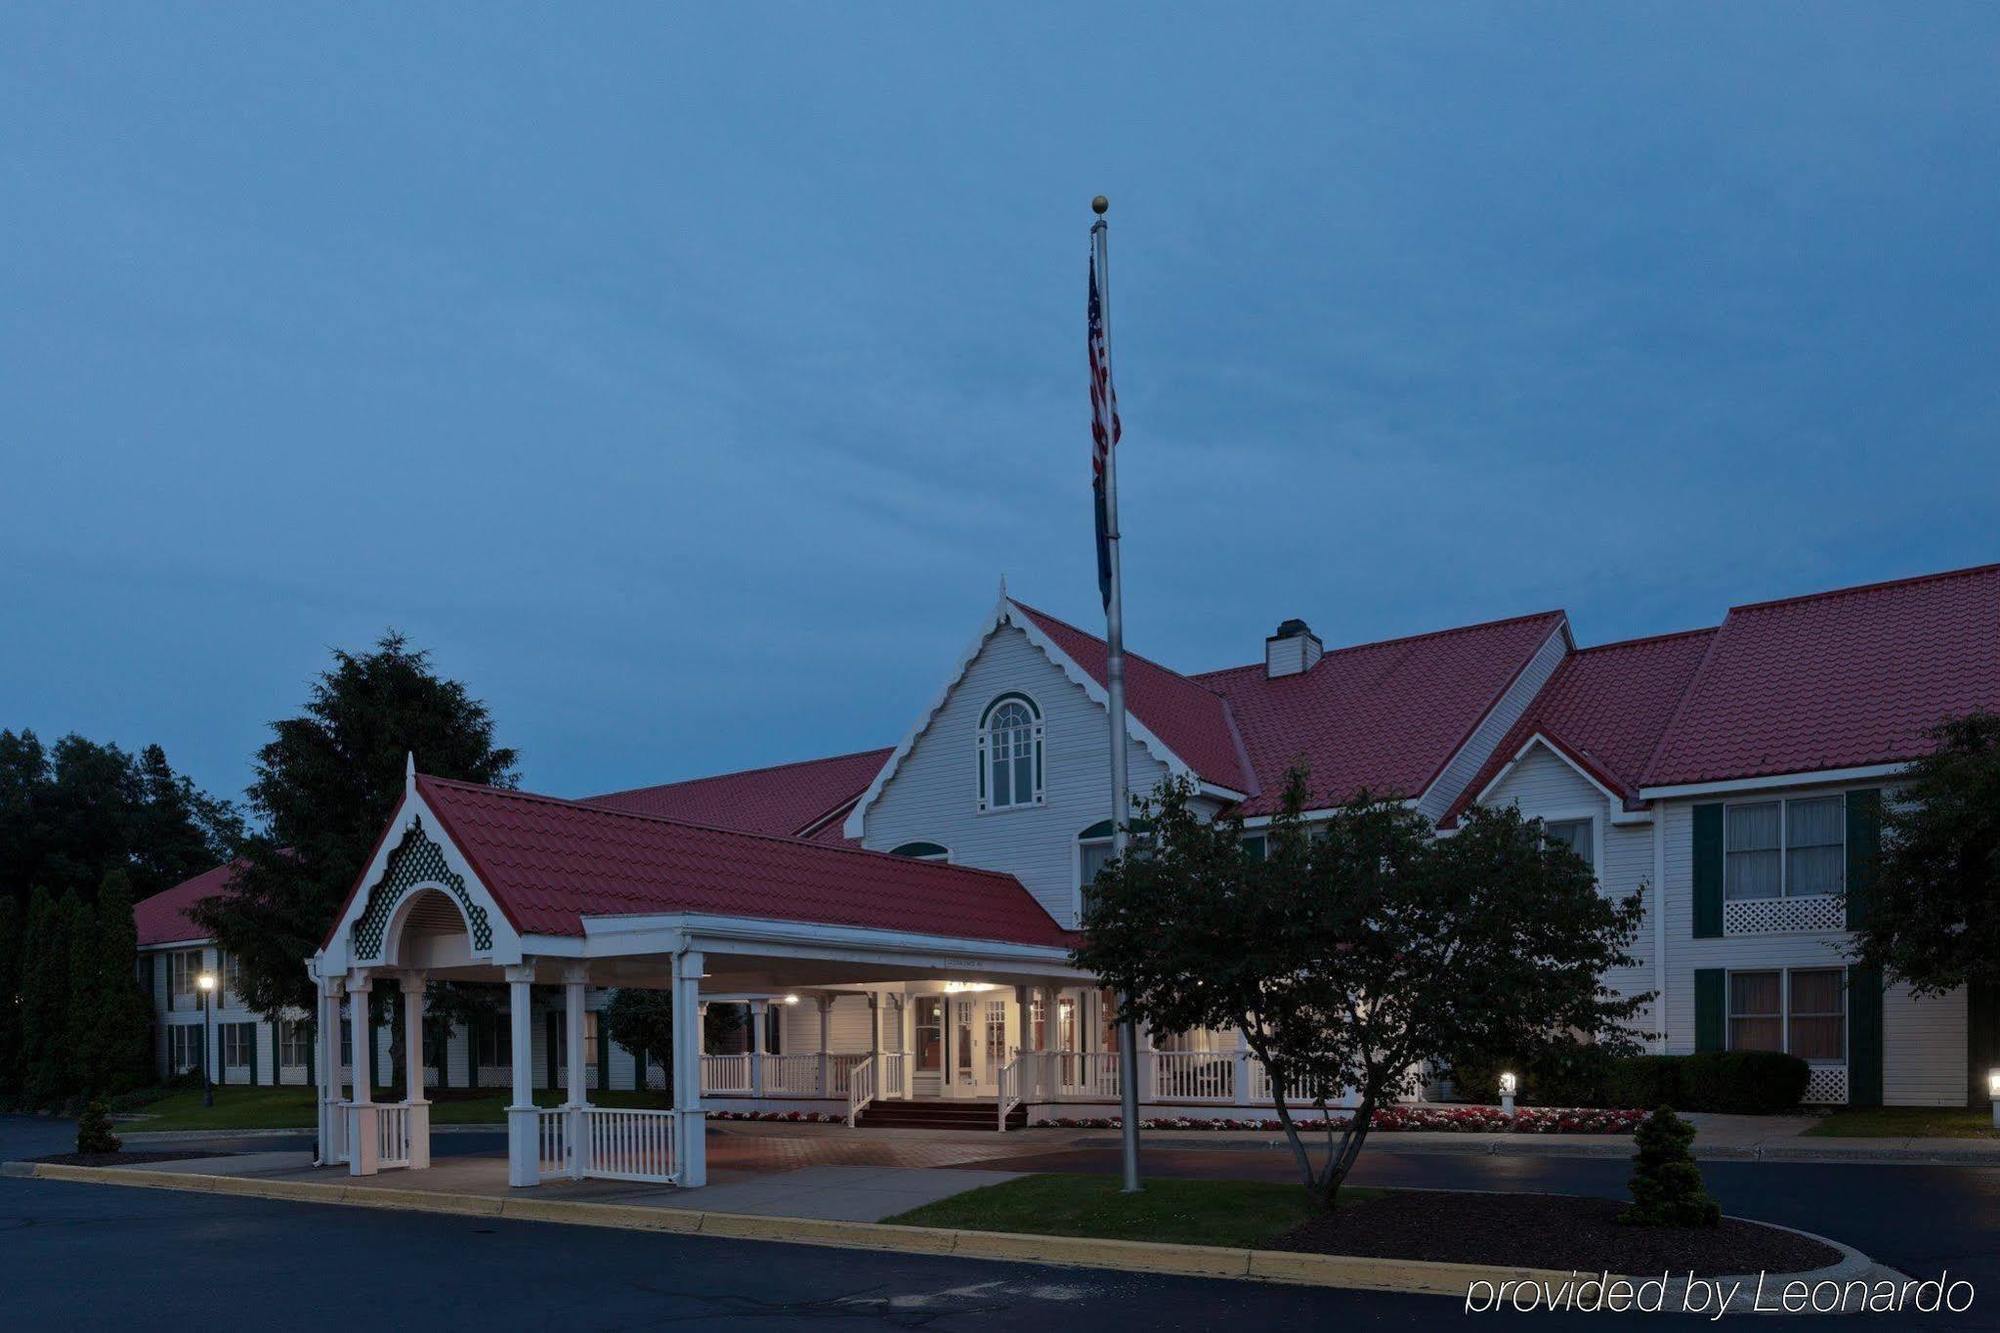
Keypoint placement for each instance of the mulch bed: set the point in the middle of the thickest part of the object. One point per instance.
(120, 1158)
(1548, 1231)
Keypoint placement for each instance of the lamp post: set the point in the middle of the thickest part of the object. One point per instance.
(205, 983)
(1508, 1085)
(1993, 1091)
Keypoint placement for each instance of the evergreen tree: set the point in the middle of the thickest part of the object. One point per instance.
(93, 1130)
(325, 783)
(1666, 1184)
(45, 1067)
(109, 1018)
(10, 998)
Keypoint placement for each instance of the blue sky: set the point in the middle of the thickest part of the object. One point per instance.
(686, 379)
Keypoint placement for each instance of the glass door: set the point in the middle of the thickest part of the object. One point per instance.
(927, 1032)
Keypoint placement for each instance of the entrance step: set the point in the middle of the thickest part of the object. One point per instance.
(938, 1114)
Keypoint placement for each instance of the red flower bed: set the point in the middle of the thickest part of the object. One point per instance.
(787, 1117)
(1421, 1119)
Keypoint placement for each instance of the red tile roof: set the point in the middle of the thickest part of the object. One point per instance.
(1384, 716)
(1836, 680)
(163, 918)
(552, 862)
(1605, 709)
(1191, 720)
(786, 798)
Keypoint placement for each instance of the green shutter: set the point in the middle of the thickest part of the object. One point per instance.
(603, 1057)
(1864, 1036)
(1710, 1009)
(1708, 872)
(552, 1025)
(639, 1069)
(1864, 846)
(472, 1052)
(312, 1053)
(249, 1031)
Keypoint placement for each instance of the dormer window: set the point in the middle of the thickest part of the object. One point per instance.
(1010, 753)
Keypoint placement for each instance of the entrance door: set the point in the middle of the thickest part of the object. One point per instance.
(978, 1044)
(927, 1031)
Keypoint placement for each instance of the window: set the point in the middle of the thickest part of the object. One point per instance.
(589, 1038)
(1010, 753)
(928, 1029)
(922, 851)
(1254, 846)
(184, 965)
(239, 1044)
(1579, 835)
(1093, 853)
(184, 1047)
(496, 1042)
(294, 1043)
(1817, 1026)
(1786, 849)
(1801, 1011)
(347, 1043)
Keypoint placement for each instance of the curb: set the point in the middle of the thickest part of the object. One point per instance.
(1408, 1276)
(1535, 1145)
(1325, 1270)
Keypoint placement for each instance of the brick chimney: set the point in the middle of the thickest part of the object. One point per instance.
(1292, 650)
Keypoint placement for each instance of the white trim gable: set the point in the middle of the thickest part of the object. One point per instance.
(1499, 718)
(1006, 613)
(411, 813)
(1619, 814)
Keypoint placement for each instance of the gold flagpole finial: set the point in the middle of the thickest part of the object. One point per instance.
(1100, 205)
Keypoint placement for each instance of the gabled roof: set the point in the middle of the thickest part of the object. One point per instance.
(163, 918)
(1383, 716)
(796, 798)
(1604, 710)
(1843, 679)
(1192, 720)
(549, 863)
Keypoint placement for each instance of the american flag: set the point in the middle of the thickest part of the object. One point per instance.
(1104, 427)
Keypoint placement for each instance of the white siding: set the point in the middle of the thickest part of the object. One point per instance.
(1478, 747)
(1546, 786)
(848, 1025)
(1923, 1048)
(934, 794)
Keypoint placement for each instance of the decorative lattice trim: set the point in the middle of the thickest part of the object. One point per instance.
(1778, 916)
(1827, 1085)
(417, 862)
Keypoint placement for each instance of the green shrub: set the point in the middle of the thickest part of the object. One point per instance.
(1737, 1082)
(1644, 1080)
(1561, 1076)
(1666, 1180)
(93, 1130)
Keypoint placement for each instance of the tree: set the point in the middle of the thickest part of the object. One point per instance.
(643, 1020)
(1666, 1180)
(1355, 952)
(324, 783)
(46, 1068)
(178, 830)
(1932, 916)
(10, 998)
(110, 1019)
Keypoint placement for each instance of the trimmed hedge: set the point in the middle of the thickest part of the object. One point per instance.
(1737, 1082)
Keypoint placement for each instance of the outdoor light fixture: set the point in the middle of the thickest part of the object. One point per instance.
(791, 999)
(205, 983)
(1508, 1085)
(1993, 1091)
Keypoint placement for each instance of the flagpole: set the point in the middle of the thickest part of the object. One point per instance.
(1114, 688)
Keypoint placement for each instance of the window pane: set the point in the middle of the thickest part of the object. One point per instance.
(1003, 791)
(1574, 834)
(1752, 875)
(1024, 778)
(1753, 993)
(1754, 828)
(1756, 1034)
(1817, 992)
(1814, 870)
(1818, 822)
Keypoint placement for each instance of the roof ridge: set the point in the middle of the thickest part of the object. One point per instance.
(1646, 639)
(1855, 589)
(786, 838)
(733, 773)
(1392, 642)
(1693, 683)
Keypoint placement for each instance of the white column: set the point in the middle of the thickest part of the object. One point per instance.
(575, 978)
(690, 1126)
(875, 1007)
(332, 1115)
(760, 1022)
(825, 1039)
(413, 1070)
(524, 1155)
(363, 1151)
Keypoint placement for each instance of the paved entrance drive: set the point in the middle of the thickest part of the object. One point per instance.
(767, 1170)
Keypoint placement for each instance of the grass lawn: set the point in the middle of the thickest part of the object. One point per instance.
(1194, 1212)
(1897, 1122)
(292, 1108)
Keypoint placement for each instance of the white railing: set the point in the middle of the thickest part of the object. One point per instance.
(336, 1134)
(1010, 1087)
(725, 1073)
(392, 1136)
(838, 1070)
(791, 1075)
(552, 1146)
(628, 1145)
(1297, 1093)
(893, 1076)
(860, 1088)
(1194, 1076)
(1090, 1075)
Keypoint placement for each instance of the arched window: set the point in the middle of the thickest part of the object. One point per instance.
(1093, 852)
(1010, 753)
(922, 851)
